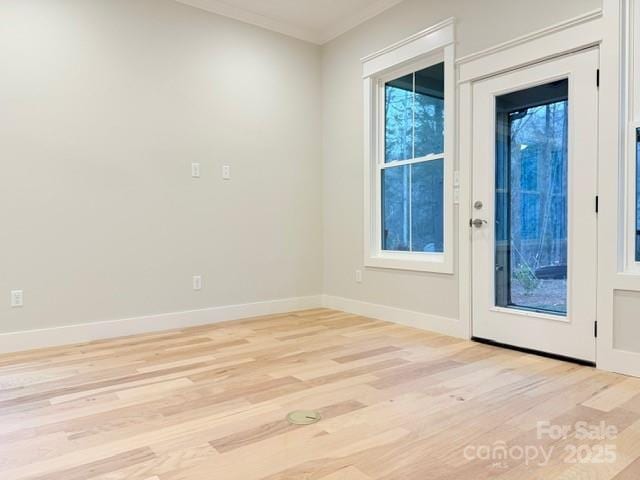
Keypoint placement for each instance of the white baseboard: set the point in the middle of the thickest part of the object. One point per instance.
(86, 332)
(424, 321)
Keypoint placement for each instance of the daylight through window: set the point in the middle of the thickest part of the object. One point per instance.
(412, 174)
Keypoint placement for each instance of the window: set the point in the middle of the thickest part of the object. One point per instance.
(633, 151)
(412, 173)
(409, 191)
(637, 222)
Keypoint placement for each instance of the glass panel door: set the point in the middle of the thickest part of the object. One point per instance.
(534, 226)
(531, 199)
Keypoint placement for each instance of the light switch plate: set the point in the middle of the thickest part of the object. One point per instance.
(226, 172)
(195, 170)
(17, 298)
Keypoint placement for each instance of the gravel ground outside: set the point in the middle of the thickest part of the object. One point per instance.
(549, 295)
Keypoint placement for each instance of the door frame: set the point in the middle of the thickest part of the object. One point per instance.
(585, 31)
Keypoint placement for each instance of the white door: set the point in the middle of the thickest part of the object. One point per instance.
(535, 143)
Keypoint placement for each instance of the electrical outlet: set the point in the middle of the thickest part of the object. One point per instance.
(195, 170)
(197, 282)
(358, 276)
(17, 298)
(226, 172)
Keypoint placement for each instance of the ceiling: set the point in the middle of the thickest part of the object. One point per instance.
(316, 21)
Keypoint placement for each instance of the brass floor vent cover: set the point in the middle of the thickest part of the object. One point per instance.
(303, 417)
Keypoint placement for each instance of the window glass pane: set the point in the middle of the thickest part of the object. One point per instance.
(396, 233)
(412, 207)
(398, 113)
(412, 195)
(427, 223)
(429, 110)
(531, 199)
(414, 114)
(638, 195)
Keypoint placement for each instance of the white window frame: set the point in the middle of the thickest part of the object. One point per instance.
(429, 47)
(632, 122)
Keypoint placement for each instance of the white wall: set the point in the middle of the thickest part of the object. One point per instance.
(479, 24)
(104, 104)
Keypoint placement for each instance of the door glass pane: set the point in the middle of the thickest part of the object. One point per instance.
(531, 199)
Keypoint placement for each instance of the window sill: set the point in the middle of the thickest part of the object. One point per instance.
(417, 262)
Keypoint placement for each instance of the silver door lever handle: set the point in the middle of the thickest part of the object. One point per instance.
(477, 222)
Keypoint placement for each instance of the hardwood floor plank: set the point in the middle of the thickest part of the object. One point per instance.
(397, 403)
(92, 469)
(366, 354)
(278, 427)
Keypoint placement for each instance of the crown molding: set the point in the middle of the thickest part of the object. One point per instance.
(352, 21)
(224, 9)
(318, 37)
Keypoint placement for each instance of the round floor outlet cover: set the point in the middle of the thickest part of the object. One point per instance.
(303, 417)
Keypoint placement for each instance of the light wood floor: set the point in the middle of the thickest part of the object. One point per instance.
(397, 403)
